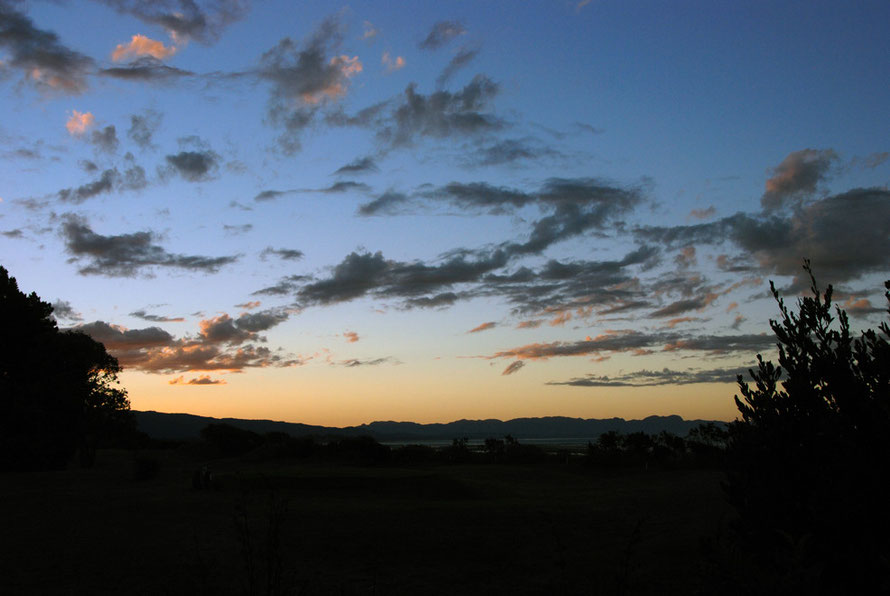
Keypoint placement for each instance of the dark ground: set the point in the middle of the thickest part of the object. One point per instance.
(458, 529)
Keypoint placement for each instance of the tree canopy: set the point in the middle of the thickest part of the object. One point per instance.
(58, 389)
(808, 459)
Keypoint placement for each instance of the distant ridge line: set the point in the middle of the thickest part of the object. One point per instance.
(160, 425)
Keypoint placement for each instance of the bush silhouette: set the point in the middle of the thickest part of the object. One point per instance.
(58, 389)
(808, 459)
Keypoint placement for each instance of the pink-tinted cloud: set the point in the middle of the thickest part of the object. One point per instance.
(79, 122)
(201, 380)
(532, 324)
(798, 175)
(140, 46)
(249, 305)
(392, 64)
(347, 68)
(703, 213)
(351, 336)
(561, 319)
(483, 327)
(370, 31)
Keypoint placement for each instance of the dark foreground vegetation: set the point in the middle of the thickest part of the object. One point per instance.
(787, 500)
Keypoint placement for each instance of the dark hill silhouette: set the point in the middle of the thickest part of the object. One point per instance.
(160, 425)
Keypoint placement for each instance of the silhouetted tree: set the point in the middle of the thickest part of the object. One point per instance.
(58, 389)
(808, 459)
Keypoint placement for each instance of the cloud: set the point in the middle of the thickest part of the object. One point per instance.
(287, 254)
(62, 309)
(351, 336)
(392, 64)
(531, 324)
(141, 314)
(146, 69)
(127, 254)
(798, 175)
(388, 203)
(844, 235)
(201, 380)
(234, 230)
(105, 139)
(441, 114)
(483, 327)
(441, 33)
(249, 305)
(370, 31)
(654, 378)
(79, 122)
(285, 286)
(143, 126)
(110, 180)
(140, 46)
(703, 213)
(555, 287)
(638, 342)
(509, 151)
(459, 61)
(201, 20)
(156, 351)
(354, 362)
(513, 367)
(359, 165)
(303, 77)
(194, 166)
(117, 337)
(15, 233)
(45, 61)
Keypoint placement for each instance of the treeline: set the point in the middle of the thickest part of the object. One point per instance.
(704, 445)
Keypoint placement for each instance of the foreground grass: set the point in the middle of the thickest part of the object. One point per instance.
(330, 529)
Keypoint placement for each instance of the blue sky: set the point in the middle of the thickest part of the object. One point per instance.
(431, 211)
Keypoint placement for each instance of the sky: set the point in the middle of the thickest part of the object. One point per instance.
(430, 211)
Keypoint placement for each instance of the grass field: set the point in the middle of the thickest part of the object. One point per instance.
(331, 529)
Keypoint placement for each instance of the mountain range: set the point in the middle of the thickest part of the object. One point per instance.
(161, 425)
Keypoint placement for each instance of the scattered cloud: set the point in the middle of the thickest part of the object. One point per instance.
(79, 122)
(62, 310)
(654, 378)
(201, 380)
(304, 77)
(133, 178)
(797, 176)
(201, 20)
(392, 64)
(441, 33)
(234, 230)
(141, 314)
(483, 327)
(359, 165)
(140, 46)
(351, 336)
(459, 61)
(513, 367)
(639, 342)
(355, 362)
(194, 166)
(707, 213)
(287, 254)
(147, 70)
(249, 305)
(369, 31)
(127, 254)
(44, 60)
(143, 127)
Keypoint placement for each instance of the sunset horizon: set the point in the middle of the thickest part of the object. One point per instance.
(462, 211)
